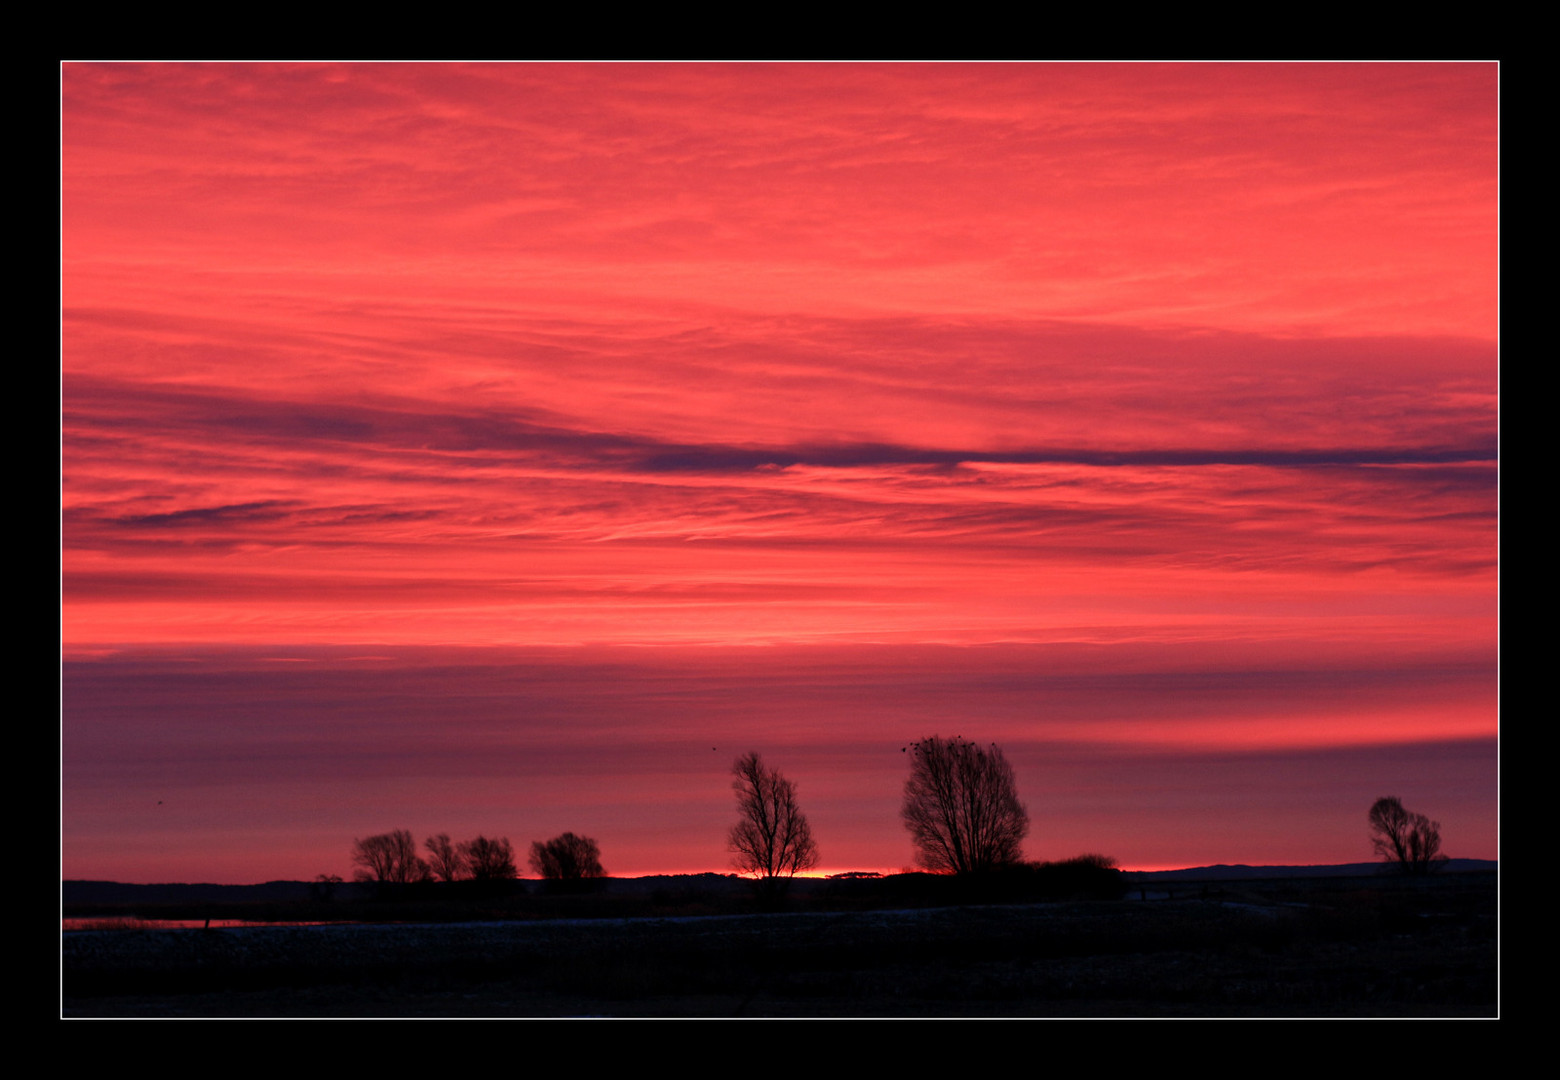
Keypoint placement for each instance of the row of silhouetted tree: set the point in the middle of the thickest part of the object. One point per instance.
(960, 806)
(962, 809)
(392, 858)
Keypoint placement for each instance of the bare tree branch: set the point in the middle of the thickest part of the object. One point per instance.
(445, 859)
(389, 859)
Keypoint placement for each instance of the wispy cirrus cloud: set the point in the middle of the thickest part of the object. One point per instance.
(1336, 196)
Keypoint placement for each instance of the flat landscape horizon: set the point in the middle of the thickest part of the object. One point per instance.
(1456, 864)
(915, 945)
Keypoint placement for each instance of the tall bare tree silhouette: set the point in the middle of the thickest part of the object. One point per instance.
(962, 808)
(771, 839)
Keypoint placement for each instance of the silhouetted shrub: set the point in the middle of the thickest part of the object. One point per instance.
(567, 860)
(323, 888)
(1411, 842)
(1083, 877)
(490, 860)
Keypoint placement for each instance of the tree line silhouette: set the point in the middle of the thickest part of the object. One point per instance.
(391, 859)
(960, 806)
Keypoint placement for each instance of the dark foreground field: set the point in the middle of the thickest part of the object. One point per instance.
(1328, 947)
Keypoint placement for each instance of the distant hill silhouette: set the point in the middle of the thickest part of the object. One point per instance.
(1239, 872)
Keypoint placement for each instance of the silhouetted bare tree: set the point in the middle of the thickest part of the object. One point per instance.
(961, 807)
(1400, 836)
(567, 858)
(489, 860)
(772, 839)
(388, 859)
(445, 860)
(324, 886)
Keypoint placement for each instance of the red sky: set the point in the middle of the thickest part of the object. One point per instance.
(473, 448)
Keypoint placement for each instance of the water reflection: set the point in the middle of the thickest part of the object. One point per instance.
(131, 922)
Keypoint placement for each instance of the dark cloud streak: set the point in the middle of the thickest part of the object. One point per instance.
(131, 407)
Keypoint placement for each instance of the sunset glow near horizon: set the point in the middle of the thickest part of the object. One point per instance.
(506, 448)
